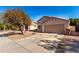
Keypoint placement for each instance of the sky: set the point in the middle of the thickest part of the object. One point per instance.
(36, 12)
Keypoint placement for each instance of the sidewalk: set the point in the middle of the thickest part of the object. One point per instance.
(8, 46)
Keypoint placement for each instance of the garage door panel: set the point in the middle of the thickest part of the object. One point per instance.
(54, 28)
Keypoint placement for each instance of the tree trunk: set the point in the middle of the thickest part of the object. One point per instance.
(4, 28)
(20, 28)
(26, 28)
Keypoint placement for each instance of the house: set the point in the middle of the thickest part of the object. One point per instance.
(33, 26)
(52, 25)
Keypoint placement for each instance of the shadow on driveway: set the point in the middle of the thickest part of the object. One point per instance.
(62, 46)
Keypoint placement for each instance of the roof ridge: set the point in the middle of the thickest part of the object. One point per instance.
(51, 17)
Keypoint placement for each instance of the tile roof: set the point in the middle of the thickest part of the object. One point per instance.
(46, 18)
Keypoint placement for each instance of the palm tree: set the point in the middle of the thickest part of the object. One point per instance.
(18, 17)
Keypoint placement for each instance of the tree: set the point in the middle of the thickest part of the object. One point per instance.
(74, 21)
(18, 17)
(71, 21)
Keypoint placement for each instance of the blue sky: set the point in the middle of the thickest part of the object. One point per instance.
(36, 12)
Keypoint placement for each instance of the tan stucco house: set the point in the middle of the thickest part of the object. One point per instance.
(52, 25)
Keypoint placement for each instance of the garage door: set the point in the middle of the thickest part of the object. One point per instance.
(54, 28)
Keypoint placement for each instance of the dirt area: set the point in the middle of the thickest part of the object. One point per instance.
(15, 35)
(20, 36)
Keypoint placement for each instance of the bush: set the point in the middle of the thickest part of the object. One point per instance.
(2, 26)
(14, 27)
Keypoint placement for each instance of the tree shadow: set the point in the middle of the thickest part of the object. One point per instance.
(9, 34)
(63, 46)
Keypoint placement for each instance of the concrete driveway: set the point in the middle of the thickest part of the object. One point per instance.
(27, 45)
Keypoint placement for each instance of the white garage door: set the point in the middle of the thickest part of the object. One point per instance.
(54, 28)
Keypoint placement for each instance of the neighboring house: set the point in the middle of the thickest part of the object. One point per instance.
(33, 26)
(52, 25)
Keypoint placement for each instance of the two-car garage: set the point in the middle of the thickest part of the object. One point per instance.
(58, 28)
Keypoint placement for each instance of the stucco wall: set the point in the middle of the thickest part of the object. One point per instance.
(33, 26)
(55, 22)
(72, 28)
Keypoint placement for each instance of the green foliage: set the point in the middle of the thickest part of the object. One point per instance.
(74, 21)
(14, 27)
(3, 26)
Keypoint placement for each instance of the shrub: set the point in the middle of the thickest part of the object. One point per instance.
(2, 26)
(14, 27)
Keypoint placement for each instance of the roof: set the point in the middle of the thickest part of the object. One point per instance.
(33, 23)
(46, 18)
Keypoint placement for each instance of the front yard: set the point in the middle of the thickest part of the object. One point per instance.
(39, 43)
(16, 35)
